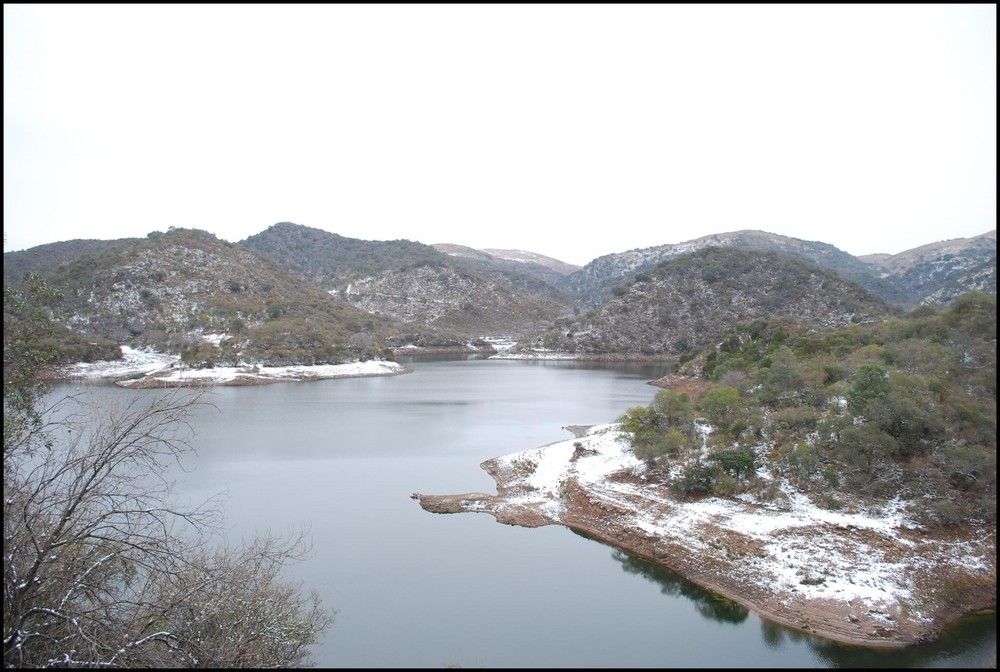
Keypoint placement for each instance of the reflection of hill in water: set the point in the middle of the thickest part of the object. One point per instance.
(969, 643)
(710, 605)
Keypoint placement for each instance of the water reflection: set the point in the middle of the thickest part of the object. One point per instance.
(774, 635)
(710, 605)
(971, 642)
(650, 370)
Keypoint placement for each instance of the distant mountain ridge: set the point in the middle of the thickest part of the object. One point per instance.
(547, 269)
(906, 260)
(593, 284)
(446, 295)
(44, 258)
(932, 273)
(444, 298)
(333, 261)
(524, 257)
(938, 273)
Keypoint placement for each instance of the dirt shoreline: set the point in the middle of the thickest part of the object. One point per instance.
(942, 592)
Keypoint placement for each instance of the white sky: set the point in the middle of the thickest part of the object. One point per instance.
(567, 130)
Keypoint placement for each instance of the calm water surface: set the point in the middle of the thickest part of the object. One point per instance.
(415, 589)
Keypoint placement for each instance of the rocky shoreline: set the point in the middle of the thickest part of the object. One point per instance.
(869, 580)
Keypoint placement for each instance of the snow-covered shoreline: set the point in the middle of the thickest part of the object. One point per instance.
(141, 369)
(871, 578)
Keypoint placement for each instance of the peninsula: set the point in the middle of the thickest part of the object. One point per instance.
(868, 578)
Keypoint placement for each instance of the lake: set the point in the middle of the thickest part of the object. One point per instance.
(415, 589)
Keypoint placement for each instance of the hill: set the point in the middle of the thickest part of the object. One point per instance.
(444, 299)
(904, 282)
(44, 258)
(938, 273)
(186, 291)
(682, 303)
(333, 261)
(452, 302)
(538, 266)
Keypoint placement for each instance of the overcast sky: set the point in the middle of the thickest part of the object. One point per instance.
(568, 130)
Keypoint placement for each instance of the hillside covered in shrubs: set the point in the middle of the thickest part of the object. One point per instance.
(851, 416)
(685, 302)
(185, 291)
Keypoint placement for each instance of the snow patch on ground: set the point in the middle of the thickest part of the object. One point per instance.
(535, 354)
(133, 362)
(798, 549)
(138, 367)
(500, 344)
(221, 375)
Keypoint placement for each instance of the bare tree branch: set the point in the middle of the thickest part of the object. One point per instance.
(103, 568)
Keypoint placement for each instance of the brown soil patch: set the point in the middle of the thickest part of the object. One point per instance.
(693, 387)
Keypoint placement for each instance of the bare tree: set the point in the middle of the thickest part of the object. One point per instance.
(103, 567)
(360, 343)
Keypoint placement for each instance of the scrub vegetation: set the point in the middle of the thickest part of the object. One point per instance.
(851, 416)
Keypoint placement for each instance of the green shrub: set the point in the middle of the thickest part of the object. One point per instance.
(696, 479)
